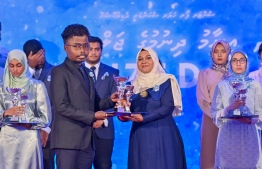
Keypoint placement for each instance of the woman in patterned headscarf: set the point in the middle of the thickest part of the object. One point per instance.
(20, 143)
(155, 141)
(207, 81)
(238, 142)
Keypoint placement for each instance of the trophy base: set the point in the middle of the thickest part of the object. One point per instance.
(237, 112)
(12, 119)
(117, 113)
(119, 109)
(240, 116)
(23, 120)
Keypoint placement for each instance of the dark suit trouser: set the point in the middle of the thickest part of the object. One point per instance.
(74, 159)
(103, 153)
(48, 156)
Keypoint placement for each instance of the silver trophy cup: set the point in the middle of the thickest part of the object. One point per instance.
(16, 99)
(240, 94)
(15, 93)
(23, 102)
(128, 95)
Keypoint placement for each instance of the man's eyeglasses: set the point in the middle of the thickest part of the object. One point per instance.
(241, 61)
(79, 46)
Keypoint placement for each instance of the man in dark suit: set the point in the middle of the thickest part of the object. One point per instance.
(3, 55)
(75, 99)
(105, 86)
(40, 69)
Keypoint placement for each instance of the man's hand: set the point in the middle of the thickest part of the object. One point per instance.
(98, 124)
(100, 115)
(44, 137)
(33, 60)
(114, 97)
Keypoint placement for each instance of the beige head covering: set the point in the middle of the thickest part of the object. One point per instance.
(157, 76)
(16, 82)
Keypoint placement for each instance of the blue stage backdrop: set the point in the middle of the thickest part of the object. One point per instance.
(181, 32)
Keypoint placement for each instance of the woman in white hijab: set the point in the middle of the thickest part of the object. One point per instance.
(155, 141)
(20, 143)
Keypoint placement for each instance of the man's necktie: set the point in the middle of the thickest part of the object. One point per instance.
(93, 68)
(37, 73)
(84, 76)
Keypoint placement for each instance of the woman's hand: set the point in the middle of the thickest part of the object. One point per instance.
(44, 137)
(123, 118)
(14, 111)
(236, 104)
(135, 117)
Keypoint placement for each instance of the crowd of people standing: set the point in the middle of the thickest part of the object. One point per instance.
(68, 109)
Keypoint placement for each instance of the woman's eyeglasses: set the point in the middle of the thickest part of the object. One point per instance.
(241, 61)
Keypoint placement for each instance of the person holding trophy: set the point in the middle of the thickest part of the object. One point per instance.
(237, 111)
(155, 141)
(24, 110)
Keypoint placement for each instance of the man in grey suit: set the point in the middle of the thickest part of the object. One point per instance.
(40, 69)
(75, 101)
(105, 86)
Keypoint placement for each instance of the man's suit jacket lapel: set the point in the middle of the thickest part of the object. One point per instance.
(77, 74)
(44, 71)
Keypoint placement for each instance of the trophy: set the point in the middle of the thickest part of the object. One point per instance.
(243, 97)
(16, 97)
(121, 88)
(240, 94)
(129, 93)
(23, 103)
(15, 93)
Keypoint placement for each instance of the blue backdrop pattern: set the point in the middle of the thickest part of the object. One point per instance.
(181, 32)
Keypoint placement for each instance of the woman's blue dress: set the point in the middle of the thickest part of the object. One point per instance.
(156, 142)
